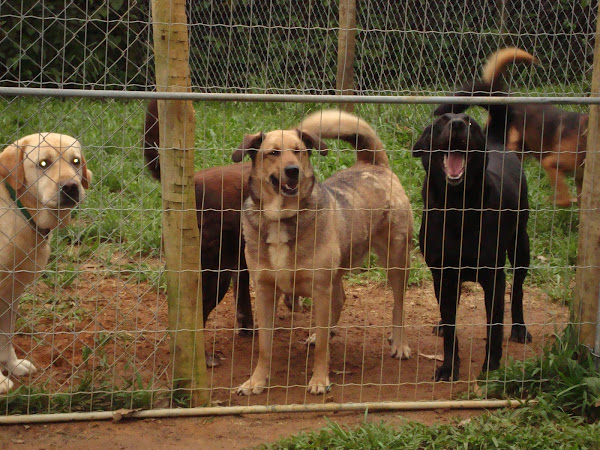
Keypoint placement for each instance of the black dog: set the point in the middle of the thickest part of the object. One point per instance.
(475, 214)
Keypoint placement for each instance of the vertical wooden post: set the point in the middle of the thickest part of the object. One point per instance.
(346, 51)
(181, 238)
(587, 278)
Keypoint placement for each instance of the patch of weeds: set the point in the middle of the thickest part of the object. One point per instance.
(565, 376)
(63, 277)
(143, 272)
(88, 394)
(65, 308)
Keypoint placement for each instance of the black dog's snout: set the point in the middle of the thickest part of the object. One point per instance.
(292, 171)
(69, 194)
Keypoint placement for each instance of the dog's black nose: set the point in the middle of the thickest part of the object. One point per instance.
(292, 171)
(69, 194)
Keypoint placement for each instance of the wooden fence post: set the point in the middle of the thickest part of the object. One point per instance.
(346, 51)
(181, 238)
(587, 278)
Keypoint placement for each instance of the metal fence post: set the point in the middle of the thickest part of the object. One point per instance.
(587, 285)
(180, 229)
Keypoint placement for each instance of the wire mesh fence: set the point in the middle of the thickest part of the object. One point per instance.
(95, 324)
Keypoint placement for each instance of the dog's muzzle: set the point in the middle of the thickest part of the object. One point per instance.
(288, 184)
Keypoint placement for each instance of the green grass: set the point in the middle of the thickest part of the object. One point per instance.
(123, 207)
(523, 428)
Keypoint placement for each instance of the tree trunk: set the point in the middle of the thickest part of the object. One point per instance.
(346, 51)
(587, 278)
(181, 240)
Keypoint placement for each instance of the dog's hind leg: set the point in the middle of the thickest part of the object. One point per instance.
(554, 170)
(493, 282)
(241, 294)
(395, 257)
(447, 291)
(338, 298)
(214, 286)
(519, 257)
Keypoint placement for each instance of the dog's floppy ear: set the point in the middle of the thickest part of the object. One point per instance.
(423, 143)
(250, 144)
(11, 166)
(312, 142)
(86, 178)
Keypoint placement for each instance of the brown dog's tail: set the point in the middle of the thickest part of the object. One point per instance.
(497, 63)
(490, 83)
(336, 124)
(151, 139)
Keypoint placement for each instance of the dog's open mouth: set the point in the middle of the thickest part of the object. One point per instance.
(288, 189)
(454, 166)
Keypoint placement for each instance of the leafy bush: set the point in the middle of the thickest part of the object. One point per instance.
(244, 45)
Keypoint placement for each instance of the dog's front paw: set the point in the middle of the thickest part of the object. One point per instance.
(445, 373)
(212, 360)
(252, 386)
(5, 384)
(312, 339)
(400, 351)
(438, 329)
(20, 367)
(520, 334)
(319, 385)
(489, 365)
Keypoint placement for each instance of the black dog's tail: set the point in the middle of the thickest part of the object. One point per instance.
(151, 139)
(490, 83)
(336, 124)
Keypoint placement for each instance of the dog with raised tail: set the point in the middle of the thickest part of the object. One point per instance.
(555, 137)
(302, 235)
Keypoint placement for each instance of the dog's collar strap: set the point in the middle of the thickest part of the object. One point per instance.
(44, 232)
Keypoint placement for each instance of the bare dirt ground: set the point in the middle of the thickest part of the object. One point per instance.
(114, 329)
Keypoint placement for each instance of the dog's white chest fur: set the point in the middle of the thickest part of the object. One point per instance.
(279, 250)
(280, 256)
(275, 211)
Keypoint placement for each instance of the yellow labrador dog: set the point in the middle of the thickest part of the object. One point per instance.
(42, 177)
(302, 236)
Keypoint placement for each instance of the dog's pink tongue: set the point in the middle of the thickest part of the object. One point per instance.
(454, 164)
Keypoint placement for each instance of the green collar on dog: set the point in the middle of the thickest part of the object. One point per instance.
(43, 232)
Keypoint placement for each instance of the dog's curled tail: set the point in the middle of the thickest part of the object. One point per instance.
(497, 63)
(151, 139)
(336, 124)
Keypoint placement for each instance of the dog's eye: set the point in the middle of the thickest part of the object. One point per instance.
(43, 164)
(76, 161)
(274, 153)
(297, 152)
